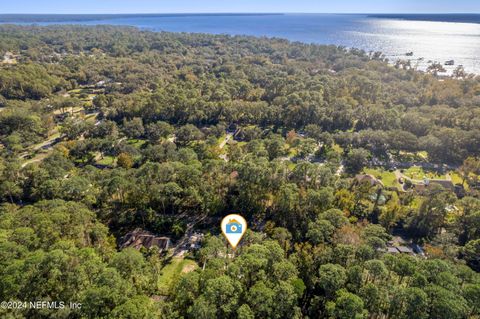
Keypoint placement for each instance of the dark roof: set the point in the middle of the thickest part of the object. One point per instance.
(444, 183)
(140, 238)
(405, 249)
(392, 250)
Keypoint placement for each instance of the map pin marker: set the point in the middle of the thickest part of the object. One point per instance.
(234, 227)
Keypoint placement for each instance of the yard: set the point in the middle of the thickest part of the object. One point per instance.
(457, 179)
(417, 173)
(388, 178)
(106, 160)
(137, 143)
(172, 271)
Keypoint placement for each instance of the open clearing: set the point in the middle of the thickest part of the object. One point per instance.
(172, 271)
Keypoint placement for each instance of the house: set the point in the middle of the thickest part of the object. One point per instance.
(405, 250)
(447, 184)
(420, 187)
(399, 245)
(392, 250)
(367, 178)
(424, 185)
(399, 250)
(140, 238)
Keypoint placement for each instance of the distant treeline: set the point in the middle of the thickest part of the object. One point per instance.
(42, 18)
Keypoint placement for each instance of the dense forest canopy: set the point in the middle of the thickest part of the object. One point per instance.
(105, 130)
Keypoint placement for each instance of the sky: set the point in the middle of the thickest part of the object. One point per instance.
(217, 6)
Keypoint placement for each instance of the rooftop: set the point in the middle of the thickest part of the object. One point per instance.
(140, 238)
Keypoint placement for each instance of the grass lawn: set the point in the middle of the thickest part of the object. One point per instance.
(107, 160)
(37, 158)
(137, 143)
(221, 138)
(88, 98)
(172, 271)
(388, 178)
(80, 91)
(457, 179)
(92, 118)
(422, 154)
(416, 172)
(55, 135)
(291, 166)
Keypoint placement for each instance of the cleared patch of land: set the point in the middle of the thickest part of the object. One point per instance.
(388, 178)
(172, 271)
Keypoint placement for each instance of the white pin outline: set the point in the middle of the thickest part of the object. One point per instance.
(225, 221)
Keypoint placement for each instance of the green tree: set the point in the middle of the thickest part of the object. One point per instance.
(156, 131)
(223, 293)
(124, 160)
(141, 307)
(331, 278)
(346, 306)
(202, 309)
(356, 159)
(133, 128)
(471, 253)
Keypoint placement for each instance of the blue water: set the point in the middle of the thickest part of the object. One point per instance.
(430, 37)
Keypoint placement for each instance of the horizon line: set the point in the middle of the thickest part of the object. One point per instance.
(239, 13)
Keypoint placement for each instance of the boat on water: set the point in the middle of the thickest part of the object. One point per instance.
(450, 62)
(409, 53)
